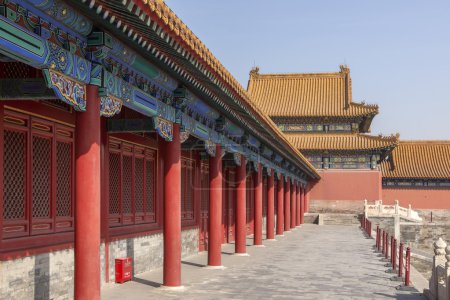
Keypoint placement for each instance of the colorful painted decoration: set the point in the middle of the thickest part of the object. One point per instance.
(109, 106)
(210, 148)
(68, 90)
(184, 135)
(164, 128)
(63, 13)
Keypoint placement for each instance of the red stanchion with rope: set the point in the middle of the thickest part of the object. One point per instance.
(392, 250)
(386, 252)
(407, 266)
(377, 241)
(400, 261)
(394, 255)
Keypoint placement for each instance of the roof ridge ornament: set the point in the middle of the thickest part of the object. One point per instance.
(254, 71)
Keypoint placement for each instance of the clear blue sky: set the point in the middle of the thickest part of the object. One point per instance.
(398, 50)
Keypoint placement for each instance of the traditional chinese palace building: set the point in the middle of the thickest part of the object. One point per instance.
(123, 136)
(317, 114)
(418, 173)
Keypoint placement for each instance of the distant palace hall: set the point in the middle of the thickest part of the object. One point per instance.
(123, 136)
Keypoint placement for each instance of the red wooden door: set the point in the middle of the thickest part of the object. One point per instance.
(204, 208)
(229, 206)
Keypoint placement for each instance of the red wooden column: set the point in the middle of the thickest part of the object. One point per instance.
(303, 194)
(171, 152)
(301, 205)
(241, 218)
(87, 206)
(293, 205)
(280, 206)
(215, 209)
(297, 199)
(257, 236)
(287, 205)
(270, 207)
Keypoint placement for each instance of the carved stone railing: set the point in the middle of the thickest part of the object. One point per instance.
(380, 210)
(439, 288)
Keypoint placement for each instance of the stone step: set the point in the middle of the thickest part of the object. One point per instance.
(339, 219)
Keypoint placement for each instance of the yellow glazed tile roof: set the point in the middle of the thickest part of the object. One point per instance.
(341, 141)
(419, 159)
(307, 95)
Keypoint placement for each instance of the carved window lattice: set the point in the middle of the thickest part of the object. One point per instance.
(41, 177)
(63, 179)
(139, 184)
(187, 189)
(264, 196)
(131, 183)
(38, 175)
(14, 70)
(114, 183)
(248, 198)
(150, 186)
(127, 178)
(14, 174)
(205, 192)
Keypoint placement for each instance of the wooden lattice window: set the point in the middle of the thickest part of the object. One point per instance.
(187, 189)
(249, 198)
(264, 196)
(204, 182)
(131, 184)
(38, 176)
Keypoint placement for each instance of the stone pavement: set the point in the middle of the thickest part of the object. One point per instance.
(311, 262)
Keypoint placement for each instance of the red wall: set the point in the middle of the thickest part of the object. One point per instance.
(347, 185)
(430, 198)
(345, 190)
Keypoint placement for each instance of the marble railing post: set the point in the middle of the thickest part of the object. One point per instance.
(447, 271)
(438, 261)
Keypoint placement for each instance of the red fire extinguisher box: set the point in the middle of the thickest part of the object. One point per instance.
(124, 269)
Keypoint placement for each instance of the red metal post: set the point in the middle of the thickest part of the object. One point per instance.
(270, 207)
(215, 209)
(387, 246)
(392, 250)
(400, 261)
(280, 206)
(241, 218)
(257, 236)
(377, 237)
(287, 205)
(407, 266)
(382, 241)
(394, 255)
(171, 152)
(87, 190)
